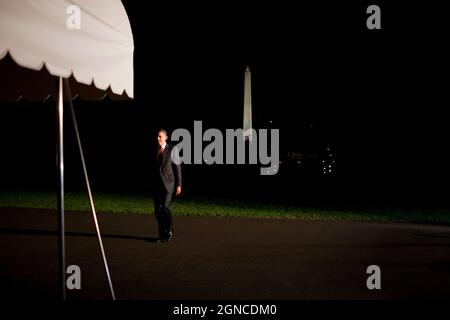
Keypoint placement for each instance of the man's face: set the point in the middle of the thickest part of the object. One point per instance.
(162, 137)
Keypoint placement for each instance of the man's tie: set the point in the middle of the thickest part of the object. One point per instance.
(161, 150)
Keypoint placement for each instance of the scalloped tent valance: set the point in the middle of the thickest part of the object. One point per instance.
(97, 58)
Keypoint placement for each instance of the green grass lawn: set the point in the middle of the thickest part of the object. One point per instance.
(141, 204)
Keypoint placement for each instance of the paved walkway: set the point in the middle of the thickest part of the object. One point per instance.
(224, 258)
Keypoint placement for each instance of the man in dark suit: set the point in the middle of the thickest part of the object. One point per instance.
(168, 181)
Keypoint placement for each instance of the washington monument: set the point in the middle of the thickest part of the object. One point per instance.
(247, 127)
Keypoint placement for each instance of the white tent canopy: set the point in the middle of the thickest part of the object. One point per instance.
(95, 58)
(35, 33)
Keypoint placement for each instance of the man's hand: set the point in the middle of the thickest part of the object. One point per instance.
(178, 192)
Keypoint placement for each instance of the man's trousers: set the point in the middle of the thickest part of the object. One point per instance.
(163, 214)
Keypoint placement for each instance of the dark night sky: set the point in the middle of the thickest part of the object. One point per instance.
(377, 96)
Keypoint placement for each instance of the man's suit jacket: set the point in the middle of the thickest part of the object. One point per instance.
(168, 172)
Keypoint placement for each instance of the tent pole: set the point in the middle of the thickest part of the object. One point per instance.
(91, 199)
(60, 196)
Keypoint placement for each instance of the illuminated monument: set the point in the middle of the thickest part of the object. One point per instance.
(247, 127)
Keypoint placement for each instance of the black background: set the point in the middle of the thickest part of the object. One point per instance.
(377, 96)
